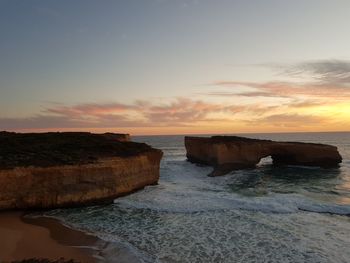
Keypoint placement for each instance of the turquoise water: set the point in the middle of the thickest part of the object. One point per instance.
(289, 214)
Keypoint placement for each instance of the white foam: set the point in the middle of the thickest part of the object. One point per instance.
(184, 188)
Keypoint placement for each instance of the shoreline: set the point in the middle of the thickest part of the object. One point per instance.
(25, 238)
(43, 237)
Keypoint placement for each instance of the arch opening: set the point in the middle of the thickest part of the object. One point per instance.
(265, 161)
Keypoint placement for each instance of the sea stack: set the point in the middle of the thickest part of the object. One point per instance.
(228, 153)
(49, 170)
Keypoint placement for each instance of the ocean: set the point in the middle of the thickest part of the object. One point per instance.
(267, 214)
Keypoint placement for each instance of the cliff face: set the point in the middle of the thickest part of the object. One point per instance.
(110, 173)
(72, 185)
(227, 153)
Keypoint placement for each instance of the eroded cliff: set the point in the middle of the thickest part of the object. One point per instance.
(71, 169)
(227, 153)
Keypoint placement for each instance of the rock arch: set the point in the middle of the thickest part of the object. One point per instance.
(227, 153)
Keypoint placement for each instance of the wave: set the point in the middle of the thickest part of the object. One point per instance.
(164, 199)
(185, 188)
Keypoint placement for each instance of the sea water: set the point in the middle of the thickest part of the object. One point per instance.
(267, 214)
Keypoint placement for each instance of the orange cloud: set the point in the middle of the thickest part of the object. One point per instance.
(178, 112)
(290, 120)
(320, 105)
(181, 115)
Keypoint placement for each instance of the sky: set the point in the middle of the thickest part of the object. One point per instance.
(175, 66)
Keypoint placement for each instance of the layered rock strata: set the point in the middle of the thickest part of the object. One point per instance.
(227, 153)
(122, 137)
(52, 170)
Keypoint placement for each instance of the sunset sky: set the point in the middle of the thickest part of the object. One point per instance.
(175, 67)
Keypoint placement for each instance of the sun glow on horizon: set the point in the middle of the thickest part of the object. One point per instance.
(151, 74)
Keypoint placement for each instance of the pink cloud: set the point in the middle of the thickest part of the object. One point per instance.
(285, 90)
(178, 112)
(91, 109)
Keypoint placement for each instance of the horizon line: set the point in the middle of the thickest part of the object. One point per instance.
(186, 134)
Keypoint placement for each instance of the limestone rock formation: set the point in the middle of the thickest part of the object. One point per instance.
(227, 153)
(51, 170)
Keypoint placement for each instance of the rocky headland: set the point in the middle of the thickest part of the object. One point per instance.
(49, 170)
(228, 153)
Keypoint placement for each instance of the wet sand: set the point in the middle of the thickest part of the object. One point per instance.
(22, 238)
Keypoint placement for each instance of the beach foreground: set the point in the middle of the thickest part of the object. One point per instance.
(23, 238)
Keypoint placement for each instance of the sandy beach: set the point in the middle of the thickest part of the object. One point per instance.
(23, 238)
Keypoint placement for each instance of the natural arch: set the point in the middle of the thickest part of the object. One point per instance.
(227, 153)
